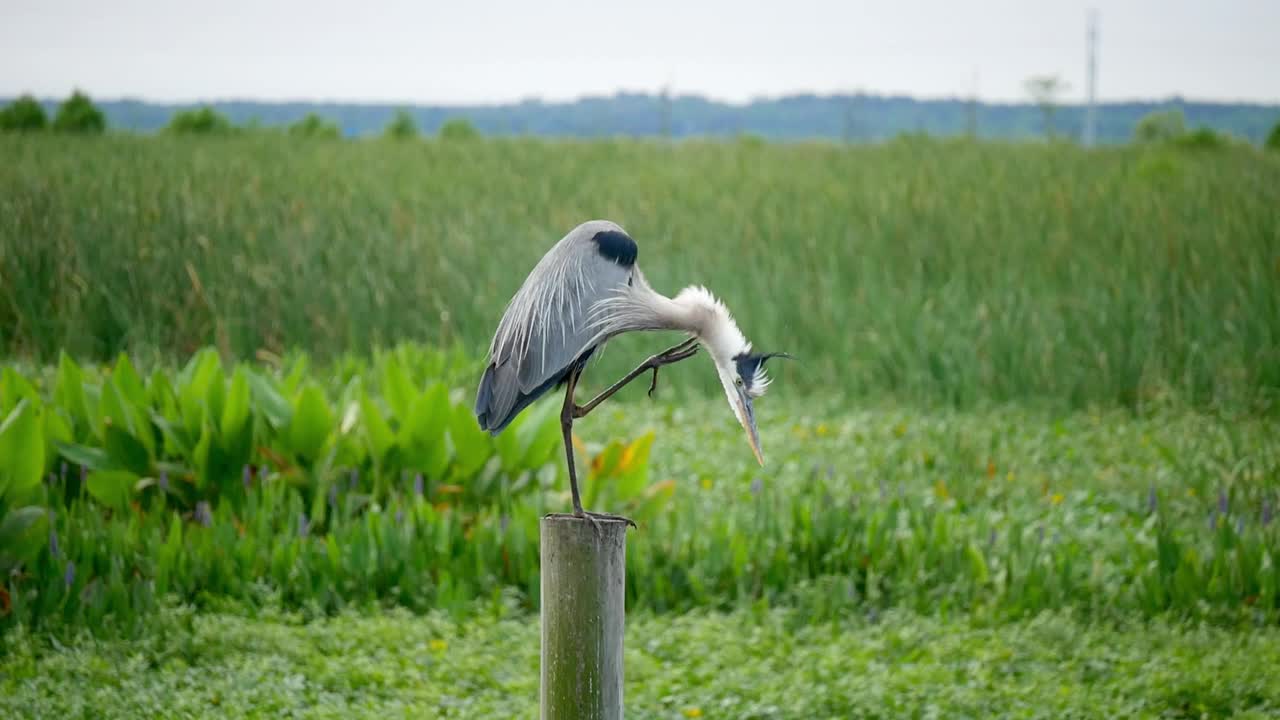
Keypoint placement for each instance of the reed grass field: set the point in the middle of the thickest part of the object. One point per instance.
(942, 272)
(1026, 464)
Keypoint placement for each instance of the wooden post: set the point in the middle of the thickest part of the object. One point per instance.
(583, 594)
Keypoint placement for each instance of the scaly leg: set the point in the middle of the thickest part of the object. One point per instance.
(571, 410)
(683, 351)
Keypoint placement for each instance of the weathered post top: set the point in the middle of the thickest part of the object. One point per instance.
(583, 606)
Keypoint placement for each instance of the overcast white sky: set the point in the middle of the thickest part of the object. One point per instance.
(500, 50)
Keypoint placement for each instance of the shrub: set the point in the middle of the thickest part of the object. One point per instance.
(1160, 126)
(458, 129)
(1273, 138)
(201, 121)
(401, 127)
(314, 126)
(79, 115)
(1202, 138)
(23, 115)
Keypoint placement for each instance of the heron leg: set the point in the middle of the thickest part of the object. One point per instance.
(683, 351)
(566, 425)
(567, 414)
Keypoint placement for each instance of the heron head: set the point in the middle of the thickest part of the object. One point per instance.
(744, 379)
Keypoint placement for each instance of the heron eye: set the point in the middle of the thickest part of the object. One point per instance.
(738, 381)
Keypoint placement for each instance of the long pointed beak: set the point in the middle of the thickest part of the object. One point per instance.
(748, 420)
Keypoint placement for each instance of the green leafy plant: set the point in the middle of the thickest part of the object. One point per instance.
(199, 121)
(78, 114)
(24, 114)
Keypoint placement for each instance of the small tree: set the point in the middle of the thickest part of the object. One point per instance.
(314, 126)
(201, 121)
(23, 115)
(1044, 90)
(1273, 138)
(79, 115)
(401, 127)
(456, 129)
(1160, 126)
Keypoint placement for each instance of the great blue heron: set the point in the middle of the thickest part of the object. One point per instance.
(586, 290)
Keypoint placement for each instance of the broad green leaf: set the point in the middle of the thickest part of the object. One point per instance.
(397, 388)
(112, 488)
(235, 411)
(541, 436)
(21, 533)
(126, 378)
(200, 456)
(312, 422)
(201, 393)
(376, 431)
(269, 400)
(56, 430)
(114, 409)
(125, 451)
(160, 394)
(21, 451)
(69, 392)
(13, 388)
(471, 445)
(422, 436)
(90, 457)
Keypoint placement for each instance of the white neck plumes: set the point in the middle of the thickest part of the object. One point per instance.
(694, 310)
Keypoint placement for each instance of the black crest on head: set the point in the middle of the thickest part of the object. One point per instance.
(751, 363)
(616, 246)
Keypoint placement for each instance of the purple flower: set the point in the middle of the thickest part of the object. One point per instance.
(883, 491)
(84, 474)
(203, 515)
(1151, 500)
(333, 496)
(400, 517)
(304, 525)
(1040, 534)
(1222, 502)
(831, 469)
(1266, 512)
(417, 484)
(53, 538)
(164, 480)
(1213, 519)
(756, 486)
(991, 538)
(355, 478)
(503, 523)
(62, 472)
(69, 576)
(246, 476)
(1240, 525)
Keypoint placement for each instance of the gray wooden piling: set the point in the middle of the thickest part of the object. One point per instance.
(583, 593)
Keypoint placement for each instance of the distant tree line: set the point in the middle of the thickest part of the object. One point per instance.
(853, 118)
(77, 114)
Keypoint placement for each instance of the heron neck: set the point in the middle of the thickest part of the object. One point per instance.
(696, 311)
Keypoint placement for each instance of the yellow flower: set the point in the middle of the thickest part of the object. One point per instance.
(439, 646)
(900, 429)
(1009, 476)
(823, 430)
(940, 489)
(693, 712)
(1056, 499)
(706, 483)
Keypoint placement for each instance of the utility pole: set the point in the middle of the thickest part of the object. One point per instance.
(1091, 109)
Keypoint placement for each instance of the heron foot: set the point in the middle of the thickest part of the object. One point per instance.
(594, 518)
(683, 351)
